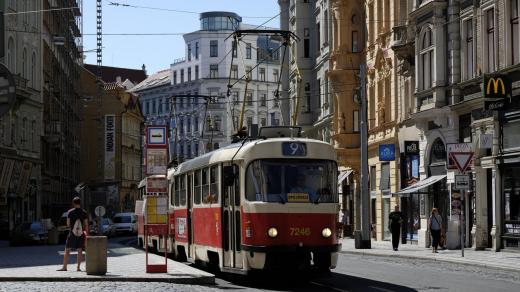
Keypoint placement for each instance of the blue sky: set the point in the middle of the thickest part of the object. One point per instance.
(157, 52)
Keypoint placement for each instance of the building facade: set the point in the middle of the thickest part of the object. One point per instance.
(21, 128)
(204, 124)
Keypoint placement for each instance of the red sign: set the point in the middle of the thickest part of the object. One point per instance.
(462, 160)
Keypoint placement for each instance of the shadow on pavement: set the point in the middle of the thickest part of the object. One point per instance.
(308, 282)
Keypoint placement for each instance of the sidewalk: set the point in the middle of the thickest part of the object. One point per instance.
(124, 264)
(509, 261)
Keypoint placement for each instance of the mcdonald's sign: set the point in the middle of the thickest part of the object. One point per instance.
(497, 91)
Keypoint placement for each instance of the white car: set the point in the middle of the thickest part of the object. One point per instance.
(125, 222)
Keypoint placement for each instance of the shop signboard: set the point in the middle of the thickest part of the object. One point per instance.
(110, 147)
(386, 152)
(411, 148)
(497, 91)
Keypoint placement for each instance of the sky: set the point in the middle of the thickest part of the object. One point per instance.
(158, 52)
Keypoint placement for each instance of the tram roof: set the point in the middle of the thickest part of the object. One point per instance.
(226, 153)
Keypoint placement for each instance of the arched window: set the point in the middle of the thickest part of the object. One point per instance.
(33, 70)
(34, 137)
(11, 55)
(24, 63)
(426, 60)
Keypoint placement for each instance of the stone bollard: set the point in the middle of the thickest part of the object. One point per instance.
(96, 255)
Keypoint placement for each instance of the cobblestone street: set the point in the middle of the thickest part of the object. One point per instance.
(98, 286)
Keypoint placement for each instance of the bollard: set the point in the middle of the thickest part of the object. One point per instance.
(96, 255)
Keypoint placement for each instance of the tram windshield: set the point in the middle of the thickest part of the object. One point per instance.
(292, 181)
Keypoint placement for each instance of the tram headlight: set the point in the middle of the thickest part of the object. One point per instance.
(326, 232)
(272, 232)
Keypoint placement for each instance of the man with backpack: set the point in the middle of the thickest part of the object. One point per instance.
(77, 221)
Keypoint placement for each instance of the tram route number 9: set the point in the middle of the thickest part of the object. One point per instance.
(294, 149)
(300, 231)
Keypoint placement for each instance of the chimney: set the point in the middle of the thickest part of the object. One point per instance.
(118, 79)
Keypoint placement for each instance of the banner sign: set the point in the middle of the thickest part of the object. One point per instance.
(411, 148)
(156, 161)
(110, 147)
(6, 168)
(24, 177)
(497, 91)
(386, 152)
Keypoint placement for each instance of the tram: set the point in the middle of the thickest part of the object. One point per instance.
(262, 204)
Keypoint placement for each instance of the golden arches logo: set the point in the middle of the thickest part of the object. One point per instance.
(495, 82)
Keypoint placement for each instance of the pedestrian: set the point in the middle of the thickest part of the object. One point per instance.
(396, 218)
(435, 226)
(77, 221)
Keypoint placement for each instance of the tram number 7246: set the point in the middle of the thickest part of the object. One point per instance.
(300, 231)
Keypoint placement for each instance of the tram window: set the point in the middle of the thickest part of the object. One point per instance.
(172, 192)
(177, 193)
(238, 233)
(198, 191)
(237, 185)
(183, 190)
(212, 196)
(205, 185)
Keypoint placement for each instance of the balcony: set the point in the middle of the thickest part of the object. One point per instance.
(403, 45)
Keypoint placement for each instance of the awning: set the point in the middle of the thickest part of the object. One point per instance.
(343, 175)
(421, 185)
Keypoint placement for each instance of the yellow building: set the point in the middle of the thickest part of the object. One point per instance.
(111, 152)
(345, 60)
(383, 113)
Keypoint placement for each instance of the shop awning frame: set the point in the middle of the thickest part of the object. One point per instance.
(343, 175)
(416, 188)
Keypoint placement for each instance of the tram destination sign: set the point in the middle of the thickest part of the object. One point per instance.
(294, 149)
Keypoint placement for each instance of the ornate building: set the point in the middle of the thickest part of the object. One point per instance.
(345, 60)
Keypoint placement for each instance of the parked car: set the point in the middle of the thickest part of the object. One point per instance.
(107, 227)
(30, 233)
(125, 222)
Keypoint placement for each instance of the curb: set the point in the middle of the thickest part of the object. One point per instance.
(203, 280)
(453, 261)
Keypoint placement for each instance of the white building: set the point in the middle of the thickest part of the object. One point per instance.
(207, 69)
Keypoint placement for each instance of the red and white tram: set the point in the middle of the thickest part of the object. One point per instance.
(262, 204)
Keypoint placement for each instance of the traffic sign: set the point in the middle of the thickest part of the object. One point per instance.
(462, 160)
(156, 136)
(100, 211)
(457, 148)
(462, 182)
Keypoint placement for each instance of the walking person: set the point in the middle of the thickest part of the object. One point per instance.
(77, 221)
(435, 226)
(396, 218)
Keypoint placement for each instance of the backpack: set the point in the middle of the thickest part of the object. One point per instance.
(77, 230)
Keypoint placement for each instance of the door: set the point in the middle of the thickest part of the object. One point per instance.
(189, 202)
(232, 235)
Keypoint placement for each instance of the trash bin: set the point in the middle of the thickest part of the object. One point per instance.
(53, 237)
(96, 255)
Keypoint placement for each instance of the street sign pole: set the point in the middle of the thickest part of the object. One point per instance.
(462, 228)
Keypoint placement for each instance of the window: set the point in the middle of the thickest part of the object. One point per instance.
(24, 133)
(182, 190)
(355, 41)
(197, 72)
(182, 75)
(261, 74)
(196, 149)
(235, 97)
(263, 122)
(515, 37)
(326, 28)
(205, 184)
(355, 126)
(177, 192)
(249, 98)
(249, 122)
(147, 108)
(384, 183)
(197, 50)
(154, 106)
(490, 40)
(248, 51)
(373, 178)
(197, 194)
(11, 55)
(189, 74)
(212, 196)
(234, 71)
(196, 124)
(426, 60)
(160, 110)
(188, 125)
(263, 99)
(213, 71)
(35, 137)
(235, 49)
(33, 70)
(189, 52)
(276, 75)
(248, 72)
(468, 49)
(306, 48)
(213, 48)
(318, 38)
(24, 61)
(174, 77)
(181, 127)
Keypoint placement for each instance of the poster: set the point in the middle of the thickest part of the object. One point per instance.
(156, 161)
(456, 205)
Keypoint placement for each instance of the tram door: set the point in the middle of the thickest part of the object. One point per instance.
(232, 235)
(189, 205)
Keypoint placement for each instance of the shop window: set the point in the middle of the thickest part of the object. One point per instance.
(384, 184)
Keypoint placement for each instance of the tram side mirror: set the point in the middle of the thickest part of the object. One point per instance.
(229, 176)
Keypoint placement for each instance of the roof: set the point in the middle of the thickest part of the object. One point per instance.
(110, 74)
(158, 79)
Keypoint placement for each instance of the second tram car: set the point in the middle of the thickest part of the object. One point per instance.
(263, 204)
